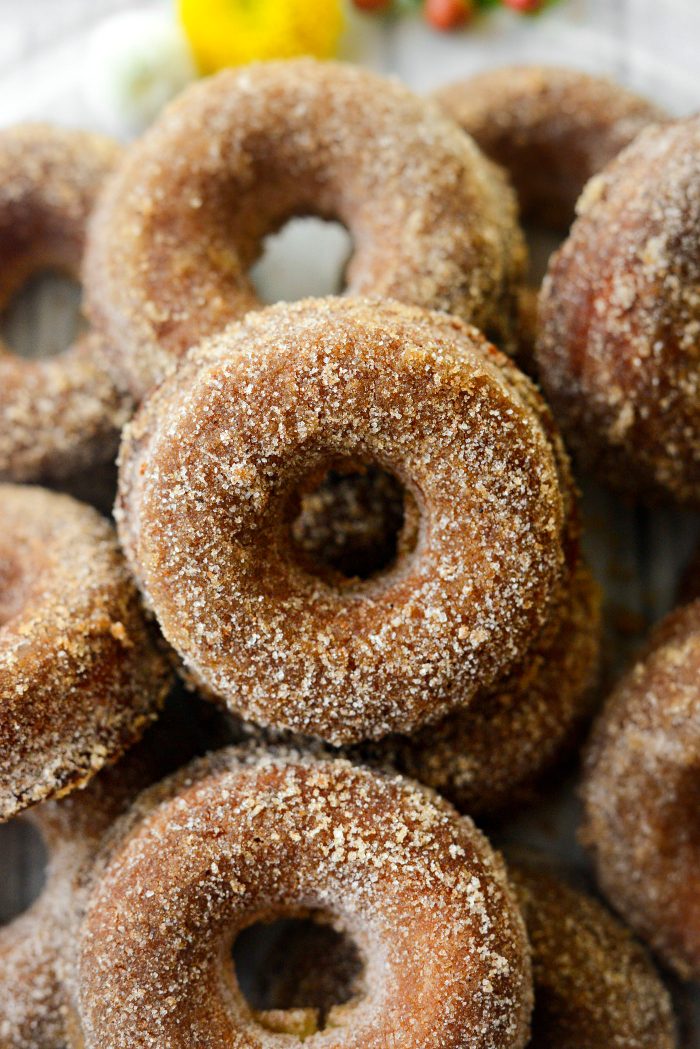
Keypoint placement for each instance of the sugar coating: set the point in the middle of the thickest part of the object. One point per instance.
(640, 794)
(551, 128)
(594, 985)
(35, 1000)
(58, 416)
(244, 836)
(491, 756)
(211, 465)
(433, 222)
(620, 319)
(81, 670)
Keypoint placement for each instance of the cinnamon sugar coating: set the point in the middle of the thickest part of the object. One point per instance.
(492, 756)
(551, 128)
(37, 949)
(210, 474)
(82, 672)
(433, 222)
(640, 794)
(244, 836)
(594, 985)
(619, 333)
(61, 415)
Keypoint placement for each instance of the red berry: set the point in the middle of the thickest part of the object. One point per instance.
(448, 14)
(372, 5)
(525, 7)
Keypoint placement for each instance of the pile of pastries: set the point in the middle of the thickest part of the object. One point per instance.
(349, 528)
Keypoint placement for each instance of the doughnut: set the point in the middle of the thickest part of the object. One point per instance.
(36, 980)
(493, 755)
(433, 222)
(210, 475)
(594, 985)
(81, 670)
(620, 320)
(249, 836)
(552, 129)
(60, 415)
(640, 789)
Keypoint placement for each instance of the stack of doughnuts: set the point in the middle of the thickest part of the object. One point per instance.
(350, 523)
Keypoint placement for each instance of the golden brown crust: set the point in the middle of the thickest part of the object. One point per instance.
(246, 836)
(212, 463)
(61, 415)
(594, 985)
(37, 950)
(82, 672)
(433, 222)
(552, 129)
(491, 756)
(640, 794)
(620, 319)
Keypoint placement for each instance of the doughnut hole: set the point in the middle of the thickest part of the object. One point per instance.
(296, 973)
(24, 862)
(353, 521)
(41, 318)
(305, 257)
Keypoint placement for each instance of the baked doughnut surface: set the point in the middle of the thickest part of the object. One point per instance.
(492, 756)
(594, 985)
(617, 352)
(640, 793)
(433, 222)
(81, 670)
(551, 128)
(244, 837)
(210, 476)
(61, 415)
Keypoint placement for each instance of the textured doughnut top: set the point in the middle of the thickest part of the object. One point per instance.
(211, 469)
(551, 129)
(433, 222)
(640, 792)
(57, 415)
(620, 318)
(81, 672)
(594, 985)
(244, 837)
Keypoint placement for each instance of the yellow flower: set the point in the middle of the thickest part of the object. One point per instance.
(232, 32)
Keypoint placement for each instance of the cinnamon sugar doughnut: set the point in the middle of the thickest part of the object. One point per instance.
(81, 672)
(492, 756)
(242, 837)
(595, 986)
(37, 984)
(640, 794)
(210, 475)
(620, 319)
(58, 416)
(550, 128)
(433, 222)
